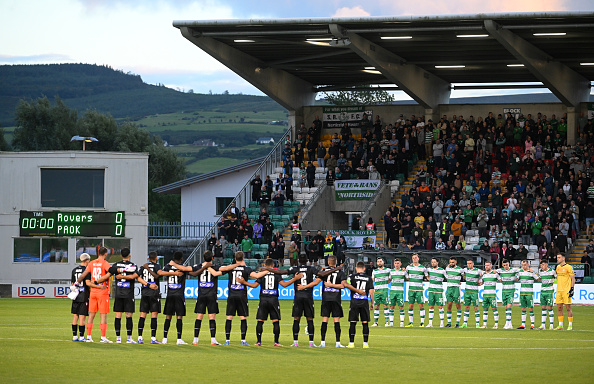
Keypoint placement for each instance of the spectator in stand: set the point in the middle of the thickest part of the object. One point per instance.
(457, 227)
(586, 259)
(246, 246)
(310, 172)
(321, 154)
(279, 200)
(542, 251)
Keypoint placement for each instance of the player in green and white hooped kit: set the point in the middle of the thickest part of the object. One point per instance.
(381, 289)
(397, 276)
(472, 275)
(508, 281)
(436, 276)
(415, 273)
(489, 281)
(527, 277)
(547, 278)
(454, 275)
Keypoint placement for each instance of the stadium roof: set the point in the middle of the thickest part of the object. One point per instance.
(482, 51)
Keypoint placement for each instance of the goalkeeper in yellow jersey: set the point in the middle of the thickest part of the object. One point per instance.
(565, 284)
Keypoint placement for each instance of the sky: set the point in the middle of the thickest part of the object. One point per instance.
(137, 35)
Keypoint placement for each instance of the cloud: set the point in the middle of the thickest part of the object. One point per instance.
(34, 59)
(440, 7)
(355, 11)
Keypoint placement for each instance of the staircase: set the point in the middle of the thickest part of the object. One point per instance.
(407, 185)
(579, 246)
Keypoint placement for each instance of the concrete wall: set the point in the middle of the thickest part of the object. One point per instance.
(126, 189)
(199, 200)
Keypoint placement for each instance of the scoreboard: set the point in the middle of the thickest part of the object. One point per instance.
(67, 223)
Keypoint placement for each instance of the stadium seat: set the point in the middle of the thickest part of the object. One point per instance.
(264, 248)
(254, 204)
(227, 261)
(477, 247)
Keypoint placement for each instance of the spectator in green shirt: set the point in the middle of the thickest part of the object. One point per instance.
(246, 246)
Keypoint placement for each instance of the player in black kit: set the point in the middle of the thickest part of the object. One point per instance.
(150, 299)
(80, 305)
(125, 273)
(237, 302)
(334, 279)
(176, 299)
(359, 283)
(269, 300)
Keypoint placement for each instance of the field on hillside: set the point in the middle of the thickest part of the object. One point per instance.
(36, 346)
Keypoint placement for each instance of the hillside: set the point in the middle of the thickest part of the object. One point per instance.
(123, 95)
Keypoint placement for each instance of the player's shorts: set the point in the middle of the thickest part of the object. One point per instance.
(489, 302)
(453, 294)
(150, 304)
(526, 301)
(546, 299)
(80, 308)
(237, 306)
(435, 298)
(99, 304)
(331, 309)
(416, 297)
(380, 298)
(207, 302)
(359, 312)
(124, 305)
(471, 298)
(175, 305)
(563, 298)
(507, 298)
(268, 306)
(397, 299)
(303, 306)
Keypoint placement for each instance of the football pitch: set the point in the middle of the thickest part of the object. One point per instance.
(36, 346)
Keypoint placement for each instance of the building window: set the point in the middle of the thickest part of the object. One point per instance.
(35, 250)
(90, 246)
(75, 188)
(222, 203)
(114, 249)
(54, 250)
(26, 250)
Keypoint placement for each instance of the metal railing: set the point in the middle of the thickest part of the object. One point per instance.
(307, 207)
(243, 198)
(176, 230)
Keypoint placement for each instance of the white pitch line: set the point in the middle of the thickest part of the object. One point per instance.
(475, 337)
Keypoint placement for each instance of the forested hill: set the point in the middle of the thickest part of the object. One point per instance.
(123, 95)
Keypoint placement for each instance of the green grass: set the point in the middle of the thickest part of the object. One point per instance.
(35, 346)
(212, 164)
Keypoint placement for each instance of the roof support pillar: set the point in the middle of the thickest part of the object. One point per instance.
(287, 90)
(425, 88)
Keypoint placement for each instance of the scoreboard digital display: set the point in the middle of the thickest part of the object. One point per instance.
(68, 224)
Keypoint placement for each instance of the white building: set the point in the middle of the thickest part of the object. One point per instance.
(56, 205)
(204, 197)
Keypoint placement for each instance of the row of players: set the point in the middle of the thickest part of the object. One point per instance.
(389, 291)
(93, 297)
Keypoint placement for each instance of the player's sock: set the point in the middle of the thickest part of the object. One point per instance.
(259, 329)
(508, 313)
(422, 316)
(496, 316)
(180, 327)
(402, 316)
(117, 324)
(74, 328)
(228, 330)
(410, 315)
(532, 318)
(386, 315)
(431, 314)
(551, 317)
(141, 321)
(560, 321)
(477, 317)
(243, 329)
(81, 330)
(376, 315)
(296, 331)
(352, 331)
(166, 327)
(129, 326)
(323, 329)
(391, 314)
(103, 328)
(197, 325)
(310, 330)
(466, 315)
(449, 315)
(523, 318)
(485, 316)
(365, 332)
(213, 328)
(570, 321)
(89, 329)
(543, 318)
(276, 331)
(458, 316)
(337, 331)
(153, 327)
(441, 313)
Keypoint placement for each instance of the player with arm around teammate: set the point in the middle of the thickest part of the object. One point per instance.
(454, 276)
(436, 276)
(489, 281)
(334, 279)
(415, 273)
(547, 279)
(360, 285)
(80, 305)
(269, 304)
(380, 292)
(527, 277)
(397, 277)
(472, 276)
(508, 281)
